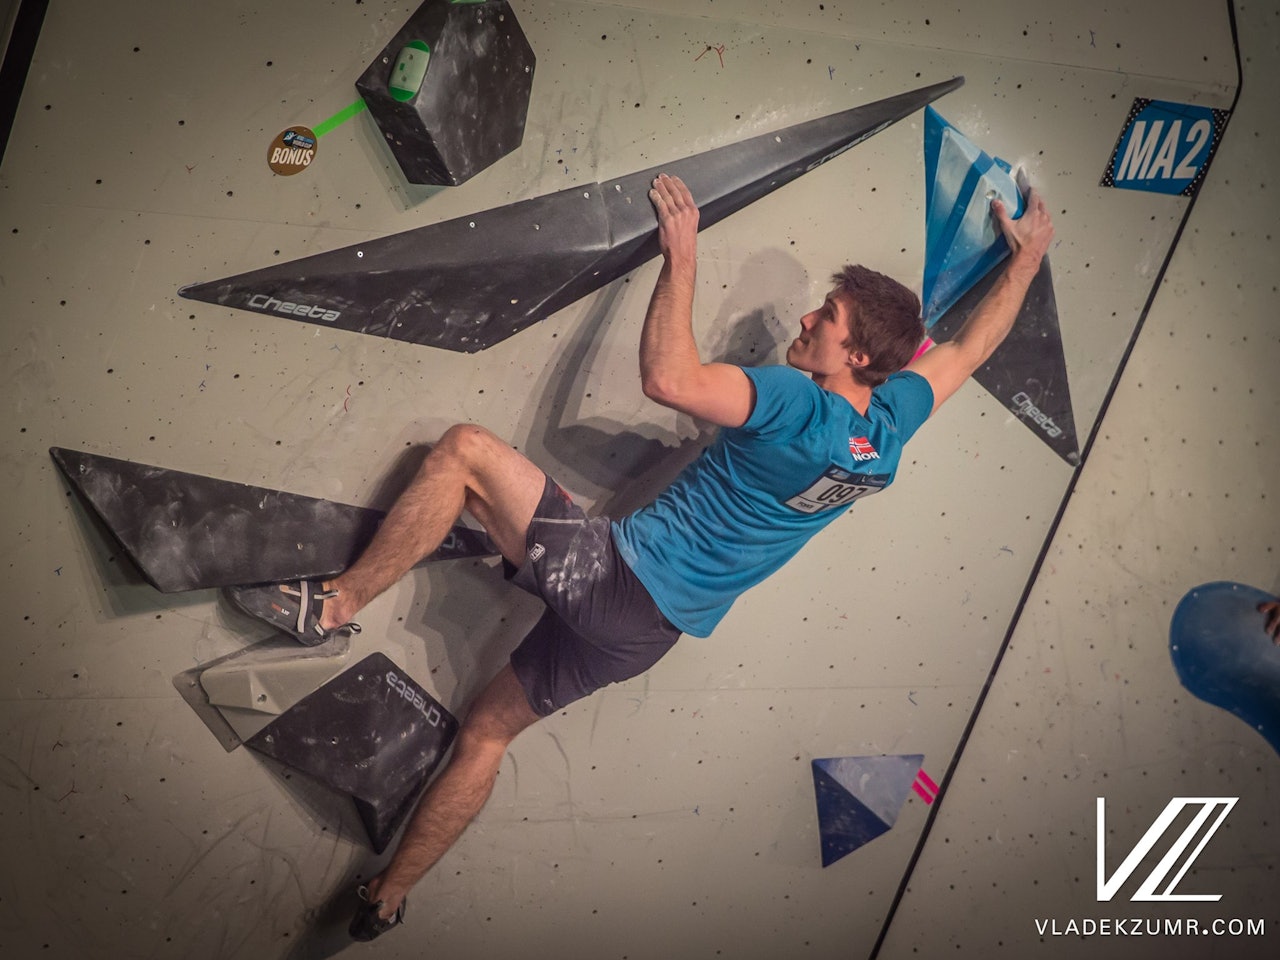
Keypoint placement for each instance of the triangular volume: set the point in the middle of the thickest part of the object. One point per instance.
(962, 243)
(1028, 371)
(844, 824)
(469, 283)
(1224, 655)
(858, 799)
(184, 531)
(372, 733)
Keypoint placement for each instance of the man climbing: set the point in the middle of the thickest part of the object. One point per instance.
(798, 444)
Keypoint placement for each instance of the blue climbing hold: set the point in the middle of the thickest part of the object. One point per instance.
(1224, 655)
(859, 799)
(962, 242)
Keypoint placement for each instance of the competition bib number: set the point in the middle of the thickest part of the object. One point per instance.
(837, 488)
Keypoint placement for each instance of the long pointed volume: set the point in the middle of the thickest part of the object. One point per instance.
(184, 531)
(469, 283)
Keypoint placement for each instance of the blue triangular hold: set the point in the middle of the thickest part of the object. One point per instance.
(1224, 655)
(859, 798)
(962, 242)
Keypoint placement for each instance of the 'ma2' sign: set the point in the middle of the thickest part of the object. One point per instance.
(1165, 147)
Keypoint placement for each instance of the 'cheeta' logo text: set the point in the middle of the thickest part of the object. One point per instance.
(1029, 410)
(260, 301)
(414, 698)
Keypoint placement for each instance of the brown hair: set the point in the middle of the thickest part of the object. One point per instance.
(886, 323)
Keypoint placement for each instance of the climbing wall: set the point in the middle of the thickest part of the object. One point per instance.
(893, 747)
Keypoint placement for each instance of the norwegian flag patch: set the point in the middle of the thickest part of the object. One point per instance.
(862, 449)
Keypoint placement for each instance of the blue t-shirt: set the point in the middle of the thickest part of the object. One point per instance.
(753, 498)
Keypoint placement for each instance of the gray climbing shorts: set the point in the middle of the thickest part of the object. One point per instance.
(600, 626)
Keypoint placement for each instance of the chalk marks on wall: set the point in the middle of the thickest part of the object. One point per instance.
(189, 532)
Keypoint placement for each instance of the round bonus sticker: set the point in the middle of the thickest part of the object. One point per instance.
(292, 151)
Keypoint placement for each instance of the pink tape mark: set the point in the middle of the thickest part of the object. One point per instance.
(926, 797)
(924, 347)
(925, 787)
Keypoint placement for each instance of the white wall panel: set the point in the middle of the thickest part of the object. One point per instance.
(673, 815)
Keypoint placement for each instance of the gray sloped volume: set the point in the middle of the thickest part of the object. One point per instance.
(188, 532)
(468, 283)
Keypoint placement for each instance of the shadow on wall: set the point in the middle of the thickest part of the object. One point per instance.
(629, 466)
(596, 453)
(477, 618)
